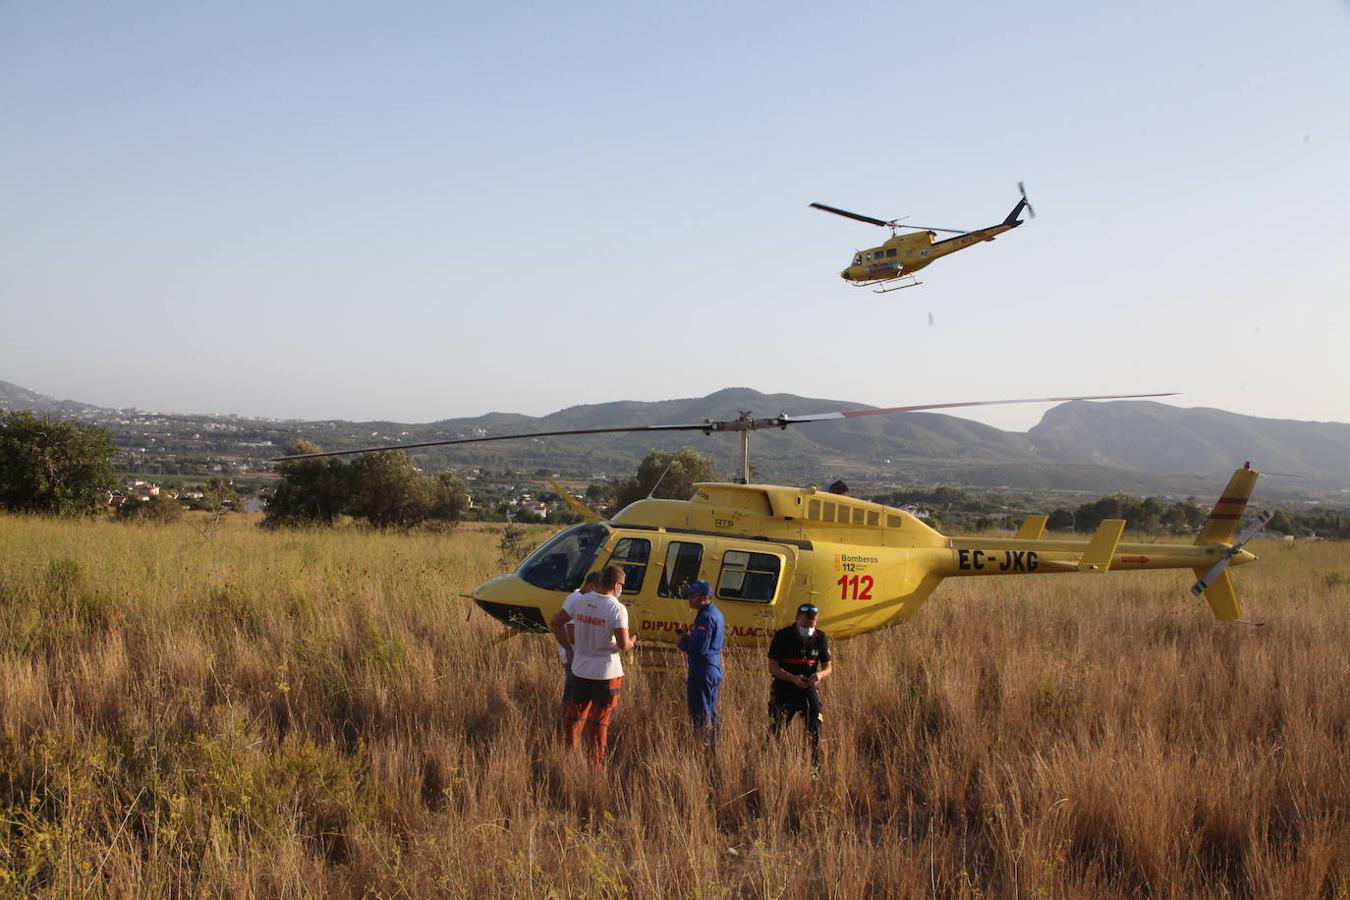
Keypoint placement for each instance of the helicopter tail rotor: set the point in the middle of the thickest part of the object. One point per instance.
(1012, 221)
(1021, 189)
(1215, 583)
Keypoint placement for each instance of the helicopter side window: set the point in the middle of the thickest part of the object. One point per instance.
(890, 252)
(682, 562)
(748, 576)
(559, 564)
(632, 554)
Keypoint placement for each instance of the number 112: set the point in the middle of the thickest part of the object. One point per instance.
(855, 587)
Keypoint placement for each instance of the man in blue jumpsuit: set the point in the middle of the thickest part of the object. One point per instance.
(703, 643)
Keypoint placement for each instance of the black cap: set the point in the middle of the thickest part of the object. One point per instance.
(808, 609)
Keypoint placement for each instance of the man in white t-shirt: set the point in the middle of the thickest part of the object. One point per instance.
(558, 625)
(596, 628)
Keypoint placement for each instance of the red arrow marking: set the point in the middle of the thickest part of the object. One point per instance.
(1134, 559)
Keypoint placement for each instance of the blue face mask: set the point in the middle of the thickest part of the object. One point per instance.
(806, 630)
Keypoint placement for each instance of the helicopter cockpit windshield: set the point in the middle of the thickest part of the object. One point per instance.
(857, 259)
(561, 563)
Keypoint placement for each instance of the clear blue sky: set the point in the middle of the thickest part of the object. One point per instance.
(418, 211)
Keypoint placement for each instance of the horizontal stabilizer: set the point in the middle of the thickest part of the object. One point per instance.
(1221, 595)
(1032, 528)
(1102, 547)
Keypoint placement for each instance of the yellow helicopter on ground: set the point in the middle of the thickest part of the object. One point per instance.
(904, 254)
(767, 548)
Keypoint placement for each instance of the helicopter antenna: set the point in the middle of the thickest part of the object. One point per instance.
(664, 473)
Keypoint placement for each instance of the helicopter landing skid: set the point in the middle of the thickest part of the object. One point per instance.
(912, 282)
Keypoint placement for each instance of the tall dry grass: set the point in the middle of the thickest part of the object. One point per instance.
(323, 713)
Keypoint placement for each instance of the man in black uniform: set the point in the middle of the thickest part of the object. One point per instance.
(799, 660)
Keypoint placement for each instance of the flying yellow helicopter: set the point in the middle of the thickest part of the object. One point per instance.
(768, 548)
(904, 254)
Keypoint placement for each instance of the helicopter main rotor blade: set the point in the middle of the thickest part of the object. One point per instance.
(705, 426)
(745, 422)
(851, 215)
(852, 413)
(931, 228)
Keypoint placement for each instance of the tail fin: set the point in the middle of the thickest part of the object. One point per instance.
(1222, 596)
(1222, 525)
(1012, 221)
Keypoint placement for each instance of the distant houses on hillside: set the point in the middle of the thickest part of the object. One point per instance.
(138, 490)
(134, 490)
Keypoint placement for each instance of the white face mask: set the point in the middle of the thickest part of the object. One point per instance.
(806, 630)
(618, 591)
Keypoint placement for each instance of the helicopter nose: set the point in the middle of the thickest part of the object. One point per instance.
(501, 598)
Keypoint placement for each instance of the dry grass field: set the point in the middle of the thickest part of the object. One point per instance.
(323, 713)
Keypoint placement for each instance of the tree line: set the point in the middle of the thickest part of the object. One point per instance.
(387, 490)
(1157, 516)
(384, 488)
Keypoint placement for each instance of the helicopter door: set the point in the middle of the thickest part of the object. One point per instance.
(683, 559)
(749, 583)
(749, 576)
(632, 553)
(677, 564)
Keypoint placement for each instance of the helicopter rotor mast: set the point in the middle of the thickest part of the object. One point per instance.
(744, 423)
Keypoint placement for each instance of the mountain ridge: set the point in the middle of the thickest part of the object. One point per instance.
(1133, 445)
